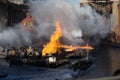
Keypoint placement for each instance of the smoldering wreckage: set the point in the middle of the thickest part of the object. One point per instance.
(53, 37)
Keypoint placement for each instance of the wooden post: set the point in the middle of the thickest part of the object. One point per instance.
(118, 33)
(119, 16)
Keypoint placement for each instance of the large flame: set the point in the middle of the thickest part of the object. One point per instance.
(54, 43)
(52, 46)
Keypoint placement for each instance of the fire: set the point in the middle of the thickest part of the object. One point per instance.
(72, 48)
(52, 46)
(54, 43)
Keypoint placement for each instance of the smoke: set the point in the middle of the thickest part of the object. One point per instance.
(14, 36)
(75, 21)
(50, 11)
(92, 23)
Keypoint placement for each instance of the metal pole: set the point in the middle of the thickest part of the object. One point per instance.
(87, 55)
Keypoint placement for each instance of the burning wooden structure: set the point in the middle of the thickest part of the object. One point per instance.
(53, 53)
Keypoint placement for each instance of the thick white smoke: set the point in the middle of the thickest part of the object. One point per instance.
(50, 11)
(14, 36)
(75, 21)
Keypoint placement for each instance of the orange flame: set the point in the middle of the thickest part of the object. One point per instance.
(52, 46)
(72, 48)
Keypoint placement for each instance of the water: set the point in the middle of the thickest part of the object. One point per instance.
(107, 61)
(34, 73)
(38, 73)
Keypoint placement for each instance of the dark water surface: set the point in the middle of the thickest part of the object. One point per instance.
(107, 61)
(35, 73)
